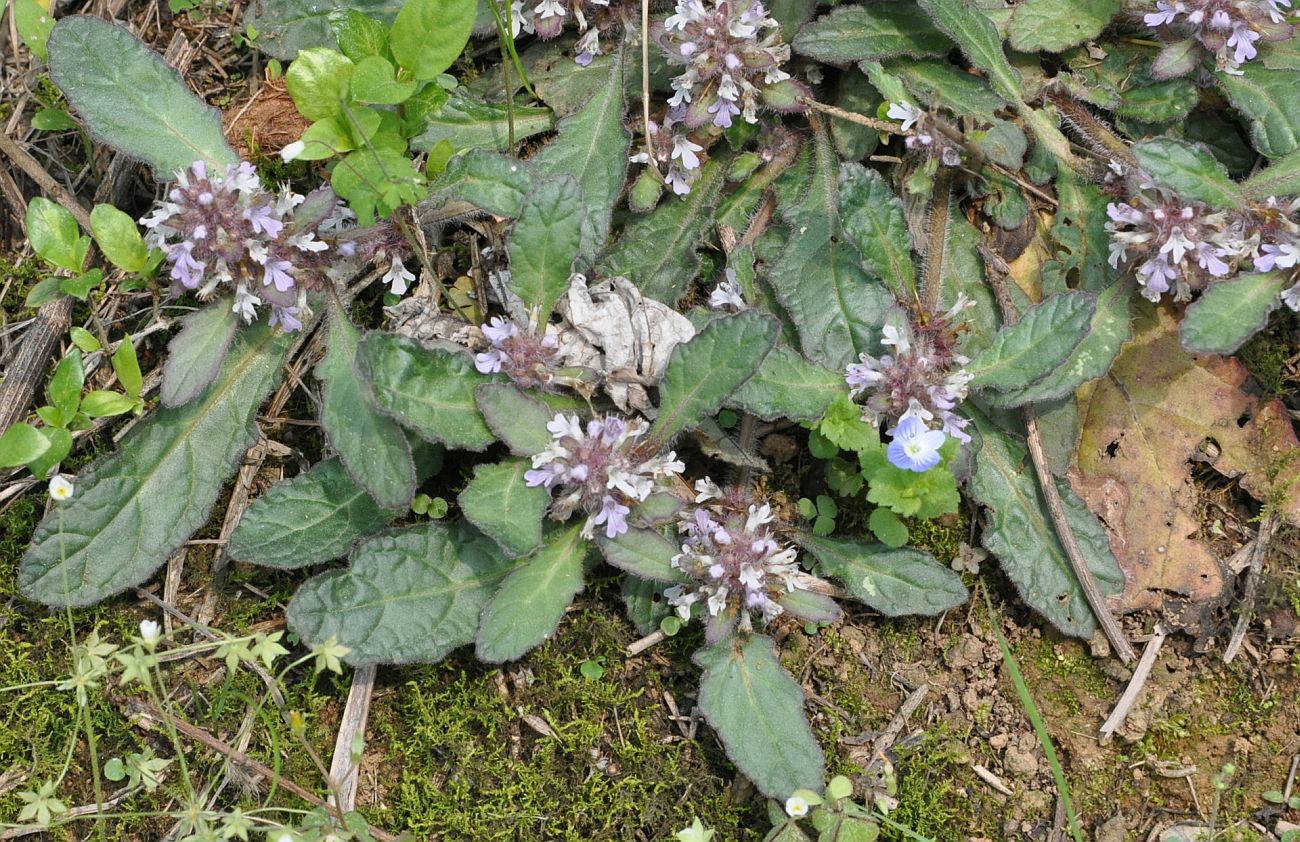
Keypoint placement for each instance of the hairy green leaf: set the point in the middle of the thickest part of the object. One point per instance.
(531, 601)
(896, 583)
(1281, 178)
(788, 386)
(979, 41)
(133, 508)
(131, 100)
(873, 31)
(642, 552)
(468, 122)
(1037, 345)
(872, 217)
(517, 418)
(1188, 170)
(939, 83)
(487, 180)
(1230, 312)
(1270, 101)
(411, 595)
(543, 243)
(1056, 25)
(194, 355)
(507, 510)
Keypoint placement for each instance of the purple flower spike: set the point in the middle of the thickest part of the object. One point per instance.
(915, 447)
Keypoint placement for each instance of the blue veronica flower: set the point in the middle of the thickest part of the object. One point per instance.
(915, 447)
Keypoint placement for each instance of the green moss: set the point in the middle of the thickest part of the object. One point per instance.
(942, 536)
(1266, 355)
(932, 800)
(25, 274)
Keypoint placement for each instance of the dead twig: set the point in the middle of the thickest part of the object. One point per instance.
(1247, 610)
(344, 768)
(1140, 674)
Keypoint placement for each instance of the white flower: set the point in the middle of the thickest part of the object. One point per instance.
(150, 633)
(905, 113)
(292, 151)
(796, 807)
(706, 489)
(727, 294)
(60, 488)
(397, 276)
(549, 8)
(245, 304)
(684, 149)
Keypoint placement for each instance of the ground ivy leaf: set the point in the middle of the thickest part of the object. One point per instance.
(543, 243)
(1056, 25)
(874, 31)
(314, 517)
(517, 418)
(1188, 170)
(896, 583)
(131, 100)
(1230, 312)
(1020, 533)
(507, 510)
(531, 601)
(788, 386)
(133, 508)
(371, 444)
(642, 552)
(1037, 345)
(872, 217)
(1270, 100)
(430, 390)
(411, 595)
(592, 146)
(837, 308)
(757, 710)
(705, 371)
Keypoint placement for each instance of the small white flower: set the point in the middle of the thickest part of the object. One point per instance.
(684, 149)
(796, 807)
(150, 633)
(397, 276)
(706, 489)
(60, 488)
(727, 294)
(549, 8)
(905, 113)
(292, 151)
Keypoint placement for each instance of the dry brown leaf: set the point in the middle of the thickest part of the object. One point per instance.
(1144, 425)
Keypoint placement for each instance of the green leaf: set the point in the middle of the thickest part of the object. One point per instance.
(1162, 102)
(287, 26)
(872, 217)
(872, 31)
(131, 100)
(377, 180)
(532, 600)
(592, 146)
(896, 583)
(1270, 101)
(104, 404)
(517, 418)
(659, 252)
(60, 446)
(430, 390)
(135, 507)
(54, 234)
(374, 79)
(466, 121)
(53, 120)
(318, 82)
(1003, 143)
(1281, 178)
(1230, 312)
(642, 552)
(429, 35)
(854, 142)
(543, 243)
(979, 41)
(118, 238)
(84, 339)
(757, 710)
(20, 444)
(127, 368)
(1037, 345)
(1090, 359)
(939, 83)
(359, 36)
(645, 603)
(1056, 25)
(1178, 58)
(1188, 170)
(371, 445)
(837, 308)
(705, 371)
(504, 508)
(489, 181)
(80, 286)
(886, 526)
(1019, 532)
(194, 355)
(45, 291)
(788, 386)
(314, 517)
(34, 25)
(65, 385)
(412, 595)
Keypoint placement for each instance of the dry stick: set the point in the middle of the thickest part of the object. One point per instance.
(343, 770)
(936, 240)
(1135, 684)
(1264, 535)
(29, 165)
(198, 735)
(1047, 483)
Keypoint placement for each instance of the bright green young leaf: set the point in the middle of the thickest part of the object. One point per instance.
(788, 386)
(359, 36)
(409, 596)
(53, 120)
(65, 385)
(504, 507)
(370, 444)
(757, 710)
(531, 601)
(118, 238)
(44, 292)
(374, 79)
(428, 35)
(60, 446)
(467, 122)
(705, 371)
(1188, 170)
(1037, 345)
(84, 339)
(543, 244)
(1230, 312)
(135, 507)
(131, 100)
(318, 81)
(377, 182)
(643, 553)
(872, 217)
(34, 25)
(430, 390)
(314, 517)
(81, 285)
(886, 526)
(20, 444)
(896, 583)
(54, 234)
(1056, 25)
(1270, 101)
(870, 31)
(194, 355)
(104, 404)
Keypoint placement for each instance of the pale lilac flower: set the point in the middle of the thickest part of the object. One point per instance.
(530, 360)
(1178, 245)
(915, 447)
(1165, 13)
(398, 277)
(685, 150)
(1283, 256)
(597, 470)
(726, 296)
(277, 273)
(905, 113)
(285, 317)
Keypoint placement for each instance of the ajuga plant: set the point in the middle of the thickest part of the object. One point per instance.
(605, 355)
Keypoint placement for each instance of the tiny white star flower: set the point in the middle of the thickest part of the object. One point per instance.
(796, 807)
(150, 633)
(60, 488)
